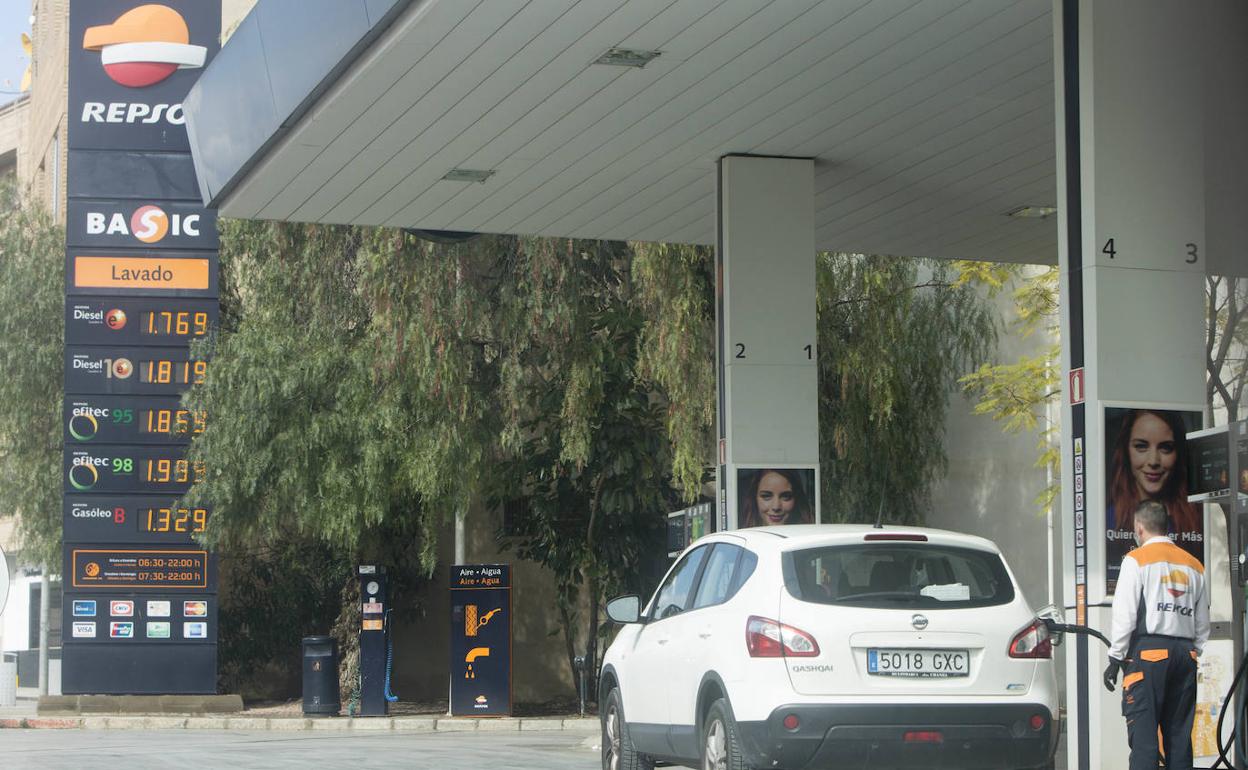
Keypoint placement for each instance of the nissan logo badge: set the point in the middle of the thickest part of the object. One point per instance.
(919, 622)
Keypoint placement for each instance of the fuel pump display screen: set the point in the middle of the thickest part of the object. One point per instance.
(1209, 474)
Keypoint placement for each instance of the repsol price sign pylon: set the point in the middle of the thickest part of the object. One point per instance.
(140, 609)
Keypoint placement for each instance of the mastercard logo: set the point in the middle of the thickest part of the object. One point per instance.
(115, 319)
(144, 46)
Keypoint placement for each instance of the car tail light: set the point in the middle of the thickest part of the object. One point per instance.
(902, 536)
(766, 638)
(1037, 722)
(1032, 642)
(923, 736)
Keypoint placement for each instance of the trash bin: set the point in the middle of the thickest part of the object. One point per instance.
(8, 679)
(320, 675)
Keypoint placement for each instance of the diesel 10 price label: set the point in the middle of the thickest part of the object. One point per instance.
(124, 371)
(130, 420)
(139, 568)
(137, 321)
(130, 469)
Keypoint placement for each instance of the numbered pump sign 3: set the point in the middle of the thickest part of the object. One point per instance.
(141, 285)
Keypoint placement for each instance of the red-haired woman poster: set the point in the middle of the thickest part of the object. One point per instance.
(772, 496)
(1146, 459)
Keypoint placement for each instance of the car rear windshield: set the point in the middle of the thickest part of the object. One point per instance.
(898, 576)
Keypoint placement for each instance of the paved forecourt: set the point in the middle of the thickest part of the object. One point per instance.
(241, 749)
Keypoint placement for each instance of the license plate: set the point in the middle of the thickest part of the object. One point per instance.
(918, 663)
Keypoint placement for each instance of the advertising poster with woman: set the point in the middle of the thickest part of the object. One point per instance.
(768, 497)
(1146, 458)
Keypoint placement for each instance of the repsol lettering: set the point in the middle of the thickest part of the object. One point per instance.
(132, 112)
(157, 273)
(1172, 607)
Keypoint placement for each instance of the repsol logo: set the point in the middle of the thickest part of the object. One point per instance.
(1172, 607)
(132, 112)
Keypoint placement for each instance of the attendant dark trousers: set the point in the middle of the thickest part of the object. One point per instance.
(1159, 690)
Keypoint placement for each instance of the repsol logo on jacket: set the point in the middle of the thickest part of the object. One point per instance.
(1172, 607)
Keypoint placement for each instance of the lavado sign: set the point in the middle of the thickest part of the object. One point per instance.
(141, 285)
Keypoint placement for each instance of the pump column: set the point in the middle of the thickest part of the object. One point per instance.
(768, 379)
(1131, 192)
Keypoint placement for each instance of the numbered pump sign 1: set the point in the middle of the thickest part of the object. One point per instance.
(140, 609)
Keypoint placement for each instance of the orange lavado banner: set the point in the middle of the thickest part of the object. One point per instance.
(140, 273)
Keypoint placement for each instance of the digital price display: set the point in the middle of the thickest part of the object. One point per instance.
(132, 519)
(125, 371)
(139, 568)
(130, 420)
(137, 321)
(1209, 465)
(130, 469)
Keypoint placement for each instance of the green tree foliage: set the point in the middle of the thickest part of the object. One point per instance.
(1226, 342)
(32, 286)
(1021, 395)
(894, 335)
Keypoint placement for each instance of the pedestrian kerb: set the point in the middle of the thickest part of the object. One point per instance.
(303, 724)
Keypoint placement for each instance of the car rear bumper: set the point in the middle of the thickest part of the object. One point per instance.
(964, 736)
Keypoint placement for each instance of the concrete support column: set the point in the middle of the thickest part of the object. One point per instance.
(1131, 107)
(768, 379)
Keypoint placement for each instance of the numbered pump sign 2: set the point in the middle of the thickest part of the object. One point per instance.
(140, 609)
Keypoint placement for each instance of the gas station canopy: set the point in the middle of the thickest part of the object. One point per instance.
(931, 122)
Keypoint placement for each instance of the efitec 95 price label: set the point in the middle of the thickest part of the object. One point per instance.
(130, 420)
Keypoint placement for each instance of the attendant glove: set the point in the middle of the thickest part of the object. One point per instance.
(1110, 677)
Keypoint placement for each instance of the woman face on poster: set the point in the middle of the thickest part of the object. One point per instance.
(1149, 464)
(773, 497)
(1151, 455)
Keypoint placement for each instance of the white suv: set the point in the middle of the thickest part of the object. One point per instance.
(811, 646)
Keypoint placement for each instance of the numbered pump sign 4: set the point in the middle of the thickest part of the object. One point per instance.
(140, 608)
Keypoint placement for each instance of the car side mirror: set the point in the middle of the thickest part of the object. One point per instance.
(1053, 616)
(625, 609)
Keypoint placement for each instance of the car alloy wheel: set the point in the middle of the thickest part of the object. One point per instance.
(715, 752)
(611, 739)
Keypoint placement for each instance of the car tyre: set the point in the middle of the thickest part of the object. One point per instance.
(721, 747)
(617, 745)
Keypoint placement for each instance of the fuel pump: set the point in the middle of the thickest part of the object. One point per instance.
(376, 650)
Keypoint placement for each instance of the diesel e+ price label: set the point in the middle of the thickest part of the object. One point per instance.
(139, 568)
(137, 320)
(130, 469)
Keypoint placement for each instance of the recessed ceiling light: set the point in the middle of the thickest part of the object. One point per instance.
(627, 57)
(467, 175)
(1032, 212)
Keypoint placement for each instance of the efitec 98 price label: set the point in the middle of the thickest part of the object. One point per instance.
(139, 568)
(130, 469)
